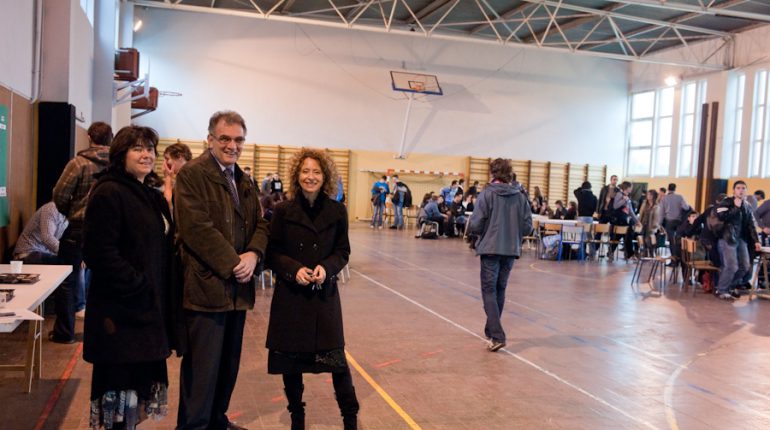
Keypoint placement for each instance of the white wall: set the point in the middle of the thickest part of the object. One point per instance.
(81, 64)
(327, 87)
(16, 46)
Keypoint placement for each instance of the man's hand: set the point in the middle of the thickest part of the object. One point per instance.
(757, 246)
(319, 274)
(244, 270)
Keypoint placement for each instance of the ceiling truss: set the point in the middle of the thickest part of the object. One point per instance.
(616, 29)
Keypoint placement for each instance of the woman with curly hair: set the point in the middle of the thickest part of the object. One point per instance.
(308, 247)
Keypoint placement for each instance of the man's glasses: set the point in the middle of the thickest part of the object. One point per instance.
(227, 139)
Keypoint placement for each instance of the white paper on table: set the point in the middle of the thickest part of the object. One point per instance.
(20, 314)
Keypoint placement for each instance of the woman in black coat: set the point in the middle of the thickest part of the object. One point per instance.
(308, 247)
(127, 240)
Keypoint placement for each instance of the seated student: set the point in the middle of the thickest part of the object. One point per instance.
(559, 212)
(426, 199)
(443, 205)
(39, 242)
(572, 211)
(468, 202)
(457, 216)
(546, 210)
(432, 213)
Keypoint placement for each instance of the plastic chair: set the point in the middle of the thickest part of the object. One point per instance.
(572, 235)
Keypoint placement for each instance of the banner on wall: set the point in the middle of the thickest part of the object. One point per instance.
(4, 216)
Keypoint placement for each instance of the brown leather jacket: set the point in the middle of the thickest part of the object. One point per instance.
(212, 233)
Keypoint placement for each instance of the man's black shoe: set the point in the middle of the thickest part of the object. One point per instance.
(55, 339)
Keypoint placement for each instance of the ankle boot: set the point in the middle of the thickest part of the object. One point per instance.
(348, 404)
(296, 407)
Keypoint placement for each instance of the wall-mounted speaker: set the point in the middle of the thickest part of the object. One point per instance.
(55, 145)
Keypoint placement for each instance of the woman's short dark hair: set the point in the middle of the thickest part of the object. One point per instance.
(100, 133)
(127, 138)
(177, 151)
(329, 169)
(501, 169)
(586, 185)
(625, 185)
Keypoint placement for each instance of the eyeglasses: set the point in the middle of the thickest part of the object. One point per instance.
(227, 139)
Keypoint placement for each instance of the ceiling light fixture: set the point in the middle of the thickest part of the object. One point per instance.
(671, 80)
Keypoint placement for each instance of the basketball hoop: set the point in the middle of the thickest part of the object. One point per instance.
(417, 86)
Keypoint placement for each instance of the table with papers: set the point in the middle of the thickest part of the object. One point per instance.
(27, 305)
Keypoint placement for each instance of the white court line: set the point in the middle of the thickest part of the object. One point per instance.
(512, 354)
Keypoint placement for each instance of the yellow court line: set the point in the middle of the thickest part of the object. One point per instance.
(389, 400)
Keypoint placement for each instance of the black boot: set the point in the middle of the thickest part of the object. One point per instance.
(348, 404)
(296, 406)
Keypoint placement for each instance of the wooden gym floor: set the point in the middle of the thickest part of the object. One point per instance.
(585, 351)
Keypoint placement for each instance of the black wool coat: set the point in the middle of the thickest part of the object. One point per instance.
(126, 246)
(303, 319)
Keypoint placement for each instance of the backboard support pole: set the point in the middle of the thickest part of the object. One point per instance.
(401, 155)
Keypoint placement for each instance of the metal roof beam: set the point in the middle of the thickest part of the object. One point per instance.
(518, 9)
(575, 22)
(677, 20)
(428, 10)
(616, 15)
(710, 9)
(402, 32)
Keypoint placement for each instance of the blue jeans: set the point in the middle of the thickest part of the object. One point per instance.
(495, 270)
(398, 211)
(379, 208)
(735, 264)
(81, 292)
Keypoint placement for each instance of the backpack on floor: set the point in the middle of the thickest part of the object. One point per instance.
(429, 231)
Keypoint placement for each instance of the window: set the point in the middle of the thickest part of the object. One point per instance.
(693, 97)
(735, 122)
(758, 148)
(649, 149)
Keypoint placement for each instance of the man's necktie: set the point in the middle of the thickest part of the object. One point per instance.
(231, 183)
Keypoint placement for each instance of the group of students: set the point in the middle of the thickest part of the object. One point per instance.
(173, 265)
(448, 208)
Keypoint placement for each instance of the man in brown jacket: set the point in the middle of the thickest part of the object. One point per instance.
(222, 237)
(71, 197)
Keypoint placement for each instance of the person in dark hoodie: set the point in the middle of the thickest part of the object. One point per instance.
(586, 203)
(70, 194)
(501, 218)
(127, 238)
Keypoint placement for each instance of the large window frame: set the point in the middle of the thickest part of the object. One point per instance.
(650, 136)
(759, 143)
(692, 99)
(735, 118)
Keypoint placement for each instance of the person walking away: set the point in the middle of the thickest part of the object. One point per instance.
(673, 208)
(501, 218)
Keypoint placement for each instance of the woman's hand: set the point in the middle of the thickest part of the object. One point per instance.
(319, 274)
(304, 276)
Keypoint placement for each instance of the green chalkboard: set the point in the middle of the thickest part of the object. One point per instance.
(4, 215)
